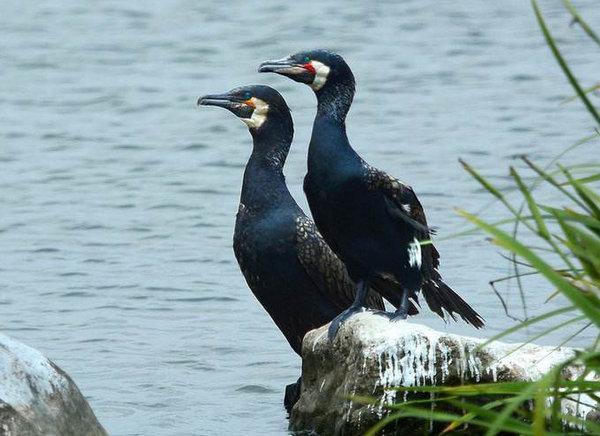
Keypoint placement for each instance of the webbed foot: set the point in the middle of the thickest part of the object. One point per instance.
(337, 322)
(399, 315)
(383, 313)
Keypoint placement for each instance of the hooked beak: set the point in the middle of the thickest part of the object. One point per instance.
(221, 100)
(284, 66)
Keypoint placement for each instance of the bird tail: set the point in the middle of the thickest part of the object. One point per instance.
(440, 296)
(392, 291)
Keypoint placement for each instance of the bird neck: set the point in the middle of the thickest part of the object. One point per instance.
(329, 146)
(335, 98)
(264, 182)
(271, 143)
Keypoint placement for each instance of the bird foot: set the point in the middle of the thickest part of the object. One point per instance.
(399, 315)
(394, 316)
(382, 313)
(337, 322)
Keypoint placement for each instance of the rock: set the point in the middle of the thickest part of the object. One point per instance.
(38, 398)
(371, 354)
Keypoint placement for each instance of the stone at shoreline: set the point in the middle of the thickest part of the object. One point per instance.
(38, 398)
(371, 354)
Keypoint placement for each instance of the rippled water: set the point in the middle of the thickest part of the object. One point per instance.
(118, 195)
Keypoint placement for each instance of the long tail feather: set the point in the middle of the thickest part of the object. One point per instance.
(440, 297)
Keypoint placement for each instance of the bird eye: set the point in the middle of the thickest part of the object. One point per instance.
(247, 95)
(306, 59)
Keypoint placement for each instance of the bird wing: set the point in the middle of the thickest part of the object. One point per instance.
(403, 205)
(325, 269)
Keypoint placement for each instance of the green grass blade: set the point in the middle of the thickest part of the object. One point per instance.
(548, 178)
(546, 332)
(571, 292)
(526, 324)
(588, 179)
(566, 341)
(411, 412)
(510, 424)
(392, 417)
(586, 194)
(497, 388)
(395, 406)
(450, 417)
(586, 28)
(572, 216)
(539, 408)
(585, 246)
(471, 415)
(496, 426)
(487, 185)
(563, 65)
(533, 207)
(586, 90)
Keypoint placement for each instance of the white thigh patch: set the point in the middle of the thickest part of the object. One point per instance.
(414, 253)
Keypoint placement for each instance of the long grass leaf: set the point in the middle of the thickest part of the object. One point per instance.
(471, 415)
(487, 185)
(586, 28)
(570, 215)
(392, 417)
(496, 426)
(586, 90)
(533, 207)
(585, 246)
(587, 195)
(546, 333)
(571, 292)
(510, 424)
(539, 408)
(563, 65)
(548, 178)
(588, 179)
(526, 324)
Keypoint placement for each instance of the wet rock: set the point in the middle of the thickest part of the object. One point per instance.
(371, 354)
(38, 398)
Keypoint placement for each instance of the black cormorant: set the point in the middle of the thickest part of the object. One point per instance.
(287, 264)
(374, 223)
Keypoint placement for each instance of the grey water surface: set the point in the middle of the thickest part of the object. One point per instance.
(118, 195)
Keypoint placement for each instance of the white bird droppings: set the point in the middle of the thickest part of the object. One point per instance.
(371, 356)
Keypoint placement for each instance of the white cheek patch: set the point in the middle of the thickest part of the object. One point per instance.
(259, 114)
(414, 253)
(321, 73)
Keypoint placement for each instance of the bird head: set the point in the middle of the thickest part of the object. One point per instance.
(255, 105)
(315, 68)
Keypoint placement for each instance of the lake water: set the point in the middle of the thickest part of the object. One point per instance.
(119, 196)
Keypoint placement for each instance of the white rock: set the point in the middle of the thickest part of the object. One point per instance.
(38, 398)
(371, 354)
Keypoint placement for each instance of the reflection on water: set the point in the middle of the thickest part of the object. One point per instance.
(119, 196)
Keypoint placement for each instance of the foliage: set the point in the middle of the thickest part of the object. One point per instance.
(560, 242)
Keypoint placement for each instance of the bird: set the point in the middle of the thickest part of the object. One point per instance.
(285, 261)
(372, 221)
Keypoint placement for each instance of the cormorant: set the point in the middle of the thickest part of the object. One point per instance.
(372, 221)
(288, 266)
